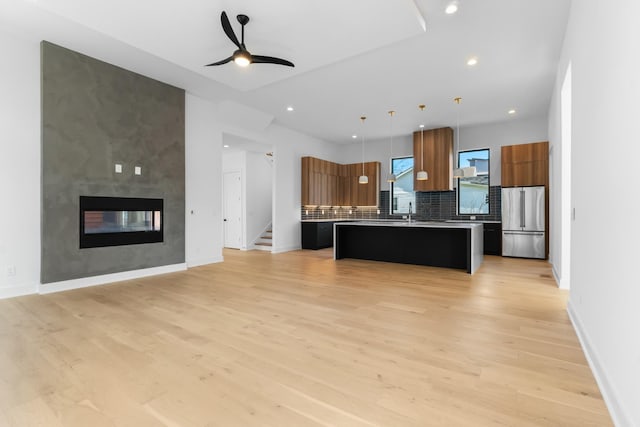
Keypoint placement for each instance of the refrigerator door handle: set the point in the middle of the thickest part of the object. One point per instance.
(522, 206)
(523, 233)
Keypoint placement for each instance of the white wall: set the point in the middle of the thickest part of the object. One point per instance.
(259, 194)
(20, 171)
(203, 183)
(492, 136)
(601, 44)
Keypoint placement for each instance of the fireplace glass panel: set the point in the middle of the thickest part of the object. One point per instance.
(121, 221)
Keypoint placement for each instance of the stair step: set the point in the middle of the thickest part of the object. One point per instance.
(263, 244)
(266, 237)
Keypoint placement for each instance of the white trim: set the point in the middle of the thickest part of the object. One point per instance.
(18, 291)
(555, 274)
(204, 261)
(619, 416)
(84, 282)
(561, 284)
(286, 249)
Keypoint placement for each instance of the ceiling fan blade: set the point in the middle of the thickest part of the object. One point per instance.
(224, 61)
(259, 59)
(226, 26)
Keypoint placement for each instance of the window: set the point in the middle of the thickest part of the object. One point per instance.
(473, 192)
(402, 190)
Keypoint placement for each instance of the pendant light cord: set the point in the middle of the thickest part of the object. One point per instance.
(363, 118)
(391, 113)
(422, 148)
(457, 148)
(421, 107)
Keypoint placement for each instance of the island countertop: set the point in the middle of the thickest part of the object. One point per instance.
(432, 243)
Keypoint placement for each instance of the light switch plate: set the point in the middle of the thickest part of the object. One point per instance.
(118, 168)
(137, 170)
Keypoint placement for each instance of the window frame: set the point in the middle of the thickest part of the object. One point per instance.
(391, 185)
(488, 150)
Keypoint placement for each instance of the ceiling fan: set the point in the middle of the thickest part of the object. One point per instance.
(242, 57)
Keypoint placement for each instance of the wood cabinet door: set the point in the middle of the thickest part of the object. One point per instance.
(326, 183)
(372, 189)
(525, 164)
(433, 151)
(305, 195)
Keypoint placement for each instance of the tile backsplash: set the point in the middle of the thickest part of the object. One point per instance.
(430, 206)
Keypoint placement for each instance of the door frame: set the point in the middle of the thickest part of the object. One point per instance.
(237, 173)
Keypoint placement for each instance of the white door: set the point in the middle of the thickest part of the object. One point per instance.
(232, 210)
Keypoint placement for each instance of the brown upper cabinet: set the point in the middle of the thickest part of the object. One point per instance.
(525, 164)
(327, 183)
(436, 157)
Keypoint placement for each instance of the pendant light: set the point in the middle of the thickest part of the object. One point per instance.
(363, 179)
(422, 174)
(468, 172)
(391, 177)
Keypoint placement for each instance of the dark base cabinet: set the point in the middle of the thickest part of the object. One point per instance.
(492, 238)
(317, 235)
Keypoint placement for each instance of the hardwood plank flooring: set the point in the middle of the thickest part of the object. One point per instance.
(298, 339)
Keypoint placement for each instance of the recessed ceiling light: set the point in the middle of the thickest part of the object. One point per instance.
(226, 145)
(421, 126)
(354, 136)
(512, 111)
(472, 61)
(289, 108)
(451, 8)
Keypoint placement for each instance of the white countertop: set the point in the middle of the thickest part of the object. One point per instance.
(424, 224)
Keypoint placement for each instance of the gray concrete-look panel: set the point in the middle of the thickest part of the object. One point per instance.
(95, 115)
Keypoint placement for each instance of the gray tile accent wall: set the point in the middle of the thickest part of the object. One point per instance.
(95, 115)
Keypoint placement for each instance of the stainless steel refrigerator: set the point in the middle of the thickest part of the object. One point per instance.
(523, 222)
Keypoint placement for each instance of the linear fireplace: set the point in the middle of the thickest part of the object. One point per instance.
(115, 221)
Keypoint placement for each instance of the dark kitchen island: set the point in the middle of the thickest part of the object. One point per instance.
(438, 244)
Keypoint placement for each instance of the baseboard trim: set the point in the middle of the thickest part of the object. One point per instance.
(66, 285)
(619, 416)
(285, 249)
(555, 274)
(18, 291)
(204, 261)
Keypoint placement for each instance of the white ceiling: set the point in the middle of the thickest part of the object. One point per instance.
(352, 57)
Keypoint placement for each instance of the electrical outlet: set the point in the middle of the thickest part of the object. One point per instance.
(11, 270)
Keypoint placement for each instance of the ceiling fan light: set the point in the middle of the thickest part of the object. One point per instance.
(451, 8)
(391, 177)
(422, 176)
(242, 59)
(364, 179)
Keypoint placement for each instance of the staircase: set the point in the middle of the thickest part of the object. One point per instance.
(264, 242)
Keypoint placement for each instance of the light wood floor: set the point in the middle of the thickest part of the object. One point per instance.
(298, 339)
